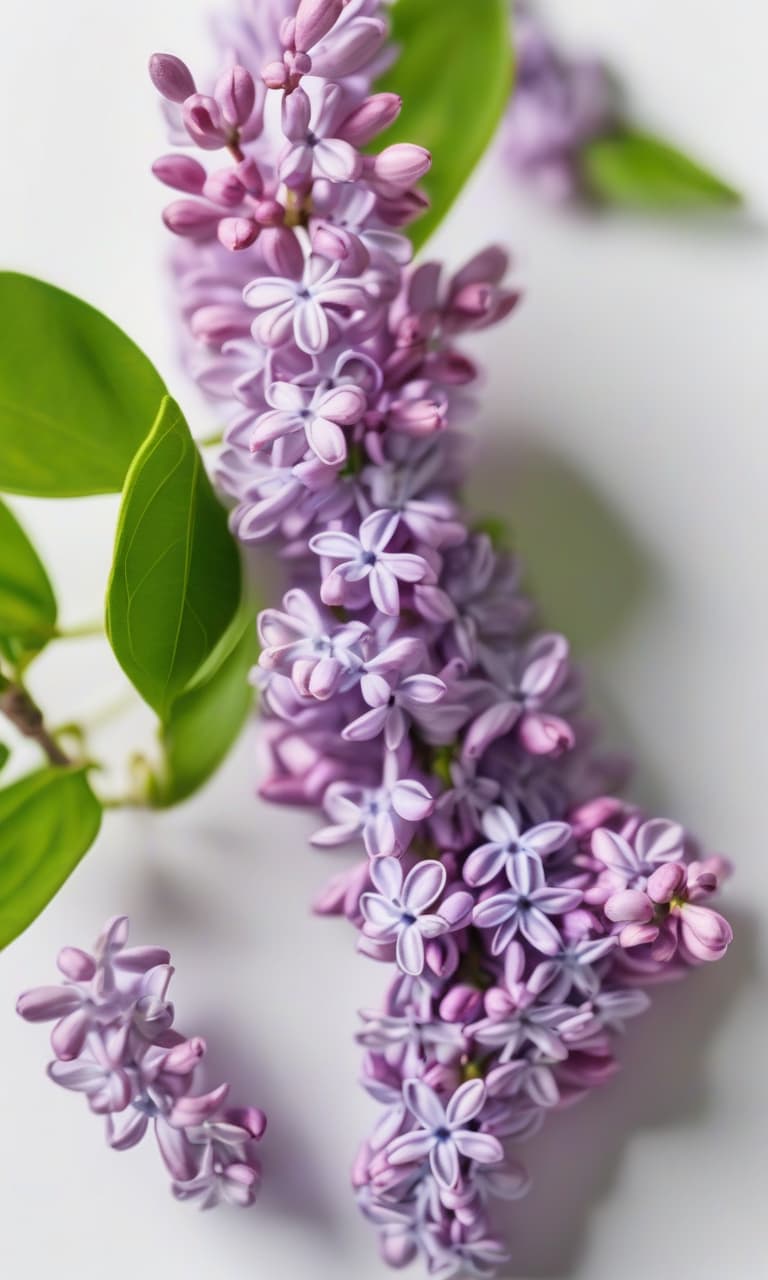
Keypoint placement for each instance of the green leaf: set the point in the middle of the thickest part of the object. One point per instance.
(175, 582)
(48, 821)
(633, 168)
(27, 602)
(5, 756)
(454, 75)
(77, 397)
(205, 722)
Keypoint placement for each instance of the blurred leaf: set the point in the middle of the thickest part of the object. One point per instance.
(205, 722)
(27, 602)
(48, 820)
(77, 397)
(634, 168)
(5, 755)
(175, 582)
(454, 73)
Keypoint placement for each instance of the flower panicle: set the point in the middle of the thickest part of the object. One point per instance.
(409, 695)
(114, 1041)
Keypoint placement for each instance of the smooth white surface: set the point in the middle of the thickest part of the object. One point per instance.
(623, 434)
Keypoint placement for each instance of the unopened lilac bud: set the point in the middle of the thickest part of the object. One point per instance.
(225, 188)
(399, 210)
(461, 1003)
(666, 881)
(75, 964)
(184, 1057)
(171, 77)
(219, 323)
(191, 218)
(370, 118)
(252, 1119)
(282, 252)
(204, 122)
(416, 417)
(183, 173)
(249, 174)
(193, 1110)
(401, 165)
(235, 93)
(275, 75)
(314, 19)
(269, 213)
(237, 233)
(287, 32)
(398, 1251)
(44, 1003)
(296, 114)
(545, 735)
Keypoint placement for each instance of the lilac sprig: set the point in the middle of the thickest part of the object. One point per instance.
(115, 1042)
(409, 696)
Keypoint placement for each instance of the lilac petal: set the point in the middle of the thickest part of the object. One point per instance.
(384, 590)
(327, 441)
(311, 328)
(329, 837)
(547, 837)
(526, 875)
(431, 926)
(629, 906)
(379, 912)
(614, 851)
(126, 1129)
(337, 546)
(482, 1147)
(410, 1147)
(540, 932)
(495, 910)
(377, 530)
(68, 1036)
(466, 1103)
(367, 726)
(423, 885)
(41, 1004)
(270, 291)
(411, 800)
(409, 950)
(83, 1077)
(424, 1104)
(387, 875)
(423, 688)
(337, 160)
(484, 864)
(444, 1162)
(375, 690)
(556, 901)
(660, 841)
(542, 1087)
(500, 826)
(408, 568)
(490, 725)
(291, 398)
(344, 405)
(176, 1150)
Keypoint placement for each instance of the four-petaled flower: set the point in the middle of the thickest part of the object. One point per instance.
(365, 559)
(310, 309)
(398, 912)
(444, 1136)
(507, 843)
(526, 906)
(315, 414)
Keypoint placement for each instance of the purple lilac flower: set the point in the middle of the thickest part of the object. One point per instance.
(408, 692)
(115, 1043)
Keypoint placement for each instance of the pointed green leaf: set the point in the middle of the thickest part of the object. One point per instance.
(27, 602)
(454, 75)
(175, 582)
(5, 756)
(48, 820)
(633, 168)
(205, 722)
(77, 397)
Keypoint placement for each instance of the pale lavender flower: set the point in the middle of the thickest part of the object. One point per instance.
(506, 843)
(443, 1136)
(385, 816)
(365, 559)
(526, 906)
(312, 308)
(318, 414)
(399, 910)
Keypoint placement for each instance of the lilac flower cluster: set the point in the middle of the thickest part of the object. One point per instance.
(408, 693)
(115, 1042)
(558, 105)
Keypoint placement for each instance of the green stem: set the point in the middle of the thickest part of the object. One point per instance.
(82, 630)
(208, 442)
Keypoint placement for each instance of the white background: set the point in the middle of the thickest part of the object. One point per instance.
(623, 434)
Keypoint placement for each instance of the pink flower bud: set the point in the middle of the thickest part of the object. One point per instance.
(193, 1110)
(545, 735)
(224, 188)
(269, 213)
(249, 174)
(282, 252)
(416, 417)
(191, 218)
(370, 118)
(295, 115)
(237, 233)
(401, 165)
(666, 881)
(183, 173)
(184, 1057)
(275, 75)
(204, 122)
(705, 933)
(252, 1119)
(461, 1003)
(219, 323)
(631, 905)
(76, 964)
(637, 935)
(287, 32)
(235, 93)
(314, 19)
(171, 77)
(398, 1251)
(398, 210)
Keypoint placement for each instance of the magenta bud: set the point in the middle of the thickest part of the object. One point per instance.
(366, 121)
(237, 233)
(171, 77)
(183, 173)
(68, 1036)
(638, 935)
(314, 19)
(219, 323)
(401, 209)
(76, 964)
(269, 213)
(191, 218)
(235, 93)
(545, 735)
(44, 1003)
(184, 1057)
(224, 188)
(249, 174)
(461, 1003)
(204, 122)
(299, 64)
(252, 1119)
(706, 934)
(282, 252)
(275, 75)
(666, 881)
(401, 165)
(193, 1110)
(630, 905)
